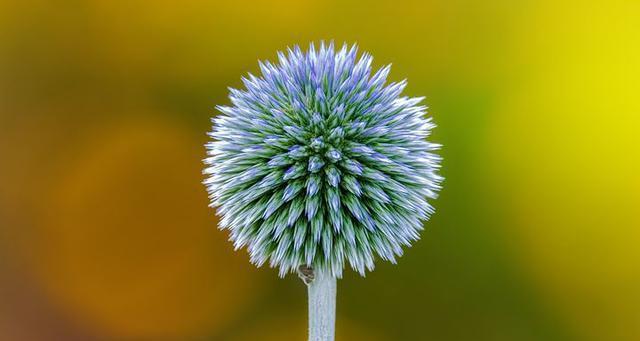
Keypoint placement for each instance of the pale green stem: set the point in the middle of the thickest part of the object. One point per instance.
(322, 307)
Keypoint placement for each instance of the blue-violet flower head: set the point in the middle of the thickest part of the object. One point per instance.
(319, 162)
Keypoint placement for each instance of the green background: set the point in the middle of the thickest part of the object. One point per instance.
(105, 232)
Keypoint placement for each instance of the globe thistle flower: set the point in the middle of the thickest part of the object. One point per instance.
(320, 163)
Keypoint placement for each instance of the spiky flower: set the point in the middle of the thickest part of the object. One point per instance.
(319, 163)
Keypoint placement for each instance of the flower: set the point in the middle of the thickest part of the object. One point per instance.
(319, 163)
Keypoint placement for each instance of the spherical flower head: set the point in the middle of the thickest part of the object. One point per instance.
(321, 163)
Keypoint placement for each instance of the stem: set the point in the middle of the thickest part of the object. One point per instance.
(322, 307)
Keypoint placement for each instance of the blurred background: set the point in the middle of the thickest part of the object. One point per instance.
(105, 233)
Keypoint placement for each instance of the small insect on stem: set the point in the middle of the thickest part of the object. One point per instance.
(306, 274)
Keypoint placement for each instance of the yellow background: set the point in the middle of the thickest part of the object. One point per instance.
(105, 232)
